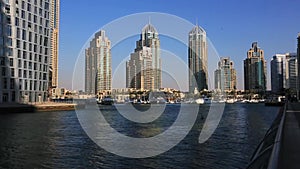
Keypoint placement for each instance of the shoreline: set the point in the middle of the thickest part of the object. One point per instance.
(34, 108)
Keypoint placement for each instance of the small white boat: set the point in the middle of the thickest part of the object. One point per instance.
(200, 101)
(230, 101)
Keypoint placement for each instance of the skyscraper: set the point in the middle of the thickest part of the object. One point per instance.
(143, 70)
(197, 59)
(225, 75)
(25, 50)
(298, 66)
(292, 70)
(279, 73)
(255, 70)
(54, 43)
(98, 65)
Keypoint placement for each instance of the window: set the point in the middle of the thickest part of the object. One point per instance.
(23, 14)
(2, 61)
(30, 36)
(30, 74)
(24, 34)
(13, 96)
(34, 18)
(9, 51)
(25, 85)
(4, 83)
(44, 76)
(29, 17)
(3, 71)
(46, 51)
(19, 53)
(12, 83)
(11, 62)
(25, 64)
(20, 84)
(17, 23)
(20, 73)
(12, 72)
(19, 63)
(34, 85)
(46, 6)
(8, 30)
(18, 43)
(28, 7)
(24, 45)
(9, 42)
(24, 74)
(18, 33)
(45, 41)
(23, 5)
(30, 85)
(35, 38)
(40, 12)
(24, 55)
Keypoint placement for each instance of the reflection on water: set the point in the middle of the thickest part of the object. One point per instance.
(56, 140)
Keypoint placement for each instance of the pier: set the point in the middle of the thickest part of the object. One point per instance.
(280, 146)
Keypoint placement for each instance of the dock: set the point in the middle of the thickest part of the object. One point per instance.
(280, 148)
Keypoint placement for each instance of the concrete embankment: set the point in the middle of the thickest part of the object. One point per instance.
(41, 107)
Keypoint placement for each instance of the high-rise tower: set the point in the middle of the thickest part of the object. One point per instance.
(98, 65)
(197, 59)
(143, 70)
(54, 43)
(298, 66)
(225, 75)
(25, 50)
(255, 70)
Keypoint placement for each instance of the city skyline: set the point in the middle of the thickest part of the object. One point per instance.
(231, 34)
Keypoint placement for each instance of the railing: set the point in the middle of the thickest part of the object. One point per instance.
(266, 155)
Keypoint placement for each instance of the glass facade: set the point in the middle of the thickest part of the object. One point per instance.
(197, 59)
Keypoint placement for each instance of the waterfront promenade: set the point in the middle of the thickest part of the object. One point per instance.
(289, 156)
(36, 107)
(280, 148)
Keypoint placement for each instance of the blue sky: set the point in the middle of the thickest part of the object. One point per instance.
(231, 26)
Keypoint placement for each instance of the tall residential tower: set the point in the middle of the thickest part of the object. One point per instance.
(225, 75)
(54, 43)
(197, 59)
(143, 70)
(98, 65)
(279, 73)
(255, 70)
(25, 50)
(298, 66)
